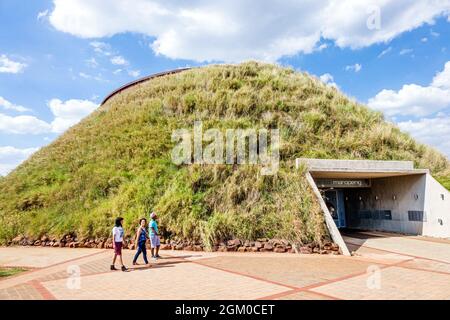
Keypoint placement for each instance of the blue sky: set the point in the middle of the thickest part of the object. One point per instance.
(58, 59)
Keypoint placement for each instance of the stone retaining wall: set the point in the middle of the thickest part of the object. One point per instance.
(234, 245)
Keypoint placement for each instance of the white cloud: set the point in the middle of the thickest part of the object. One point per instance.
(5, 104)
(416, 100)
(66, 114)
(432, 131)
(385, 52)
(23, 125)
(235, 30)
(101, 48)
(105, 50)
(405, 51)
(42, 14)
(323, 46)
(69, 112)
(355, 67)
(328, 79)
(92, 63)
(119, 61)
(134, 73)
(442, 79)
(412, 100)
(9, 66)
(434, 34)
(11, 157)
(92, 77)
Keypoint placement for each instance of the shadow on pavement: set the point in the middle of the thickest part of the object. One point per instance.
(173, 261)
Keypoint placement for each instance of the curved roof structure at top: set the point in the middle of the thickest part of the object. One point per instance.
(141, 80)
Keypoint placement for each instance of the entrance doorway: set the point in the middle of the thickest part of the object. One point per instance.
(335, 193)
(388, 196)
(334, 199)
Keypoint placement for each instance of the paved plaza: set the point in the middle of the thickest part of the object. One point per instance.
(384, 266)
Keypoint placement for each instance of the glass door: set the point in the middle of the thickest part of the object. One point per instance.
(334, 200)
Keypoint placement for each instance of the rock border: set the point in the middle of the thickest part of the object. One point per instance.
(233, 245)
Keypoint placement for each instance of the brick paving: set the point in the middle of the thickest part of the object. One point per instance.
(85, 269)
(39, 257)
(383, 267)
(304, 295)
(428, 265)
(20, 292)
(414, 247)
(299, 273)
(395, 283)
(181, 281)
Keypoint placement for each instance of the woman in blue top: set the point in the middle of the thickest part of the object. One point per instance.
(141, 240)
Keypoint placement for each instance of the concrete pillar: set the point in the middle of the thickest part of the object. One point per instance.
(332, 228)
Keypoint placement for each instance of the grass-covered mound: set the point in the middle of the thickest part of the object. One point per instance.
(117, 161)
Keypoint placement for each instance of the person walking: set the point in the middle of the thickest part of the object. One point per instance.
(141, 240)
(117, 233)
(154, 237)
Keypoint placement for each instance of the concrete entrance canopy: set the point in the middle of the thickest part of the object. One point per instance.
(361, 169)
(378, 195)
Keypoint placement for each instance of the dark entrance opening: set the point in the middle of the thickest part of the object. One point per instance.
(391, 204)
(334, 199)
(338, 195)
(388, 196)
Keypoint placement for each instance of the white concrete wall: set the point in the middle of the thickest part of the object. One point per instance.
(332, 228)
(405, 189)
(438, 209)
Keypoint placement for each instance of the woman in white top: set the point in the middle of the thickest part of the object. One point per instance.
(117, 232)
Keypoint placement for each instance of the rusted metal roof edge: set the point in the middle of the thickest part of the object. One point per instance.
(141, 80)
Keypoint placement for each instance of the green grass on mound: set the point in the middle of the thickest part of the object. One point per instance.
(8, 272)
(445, 181)
(117, 161)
